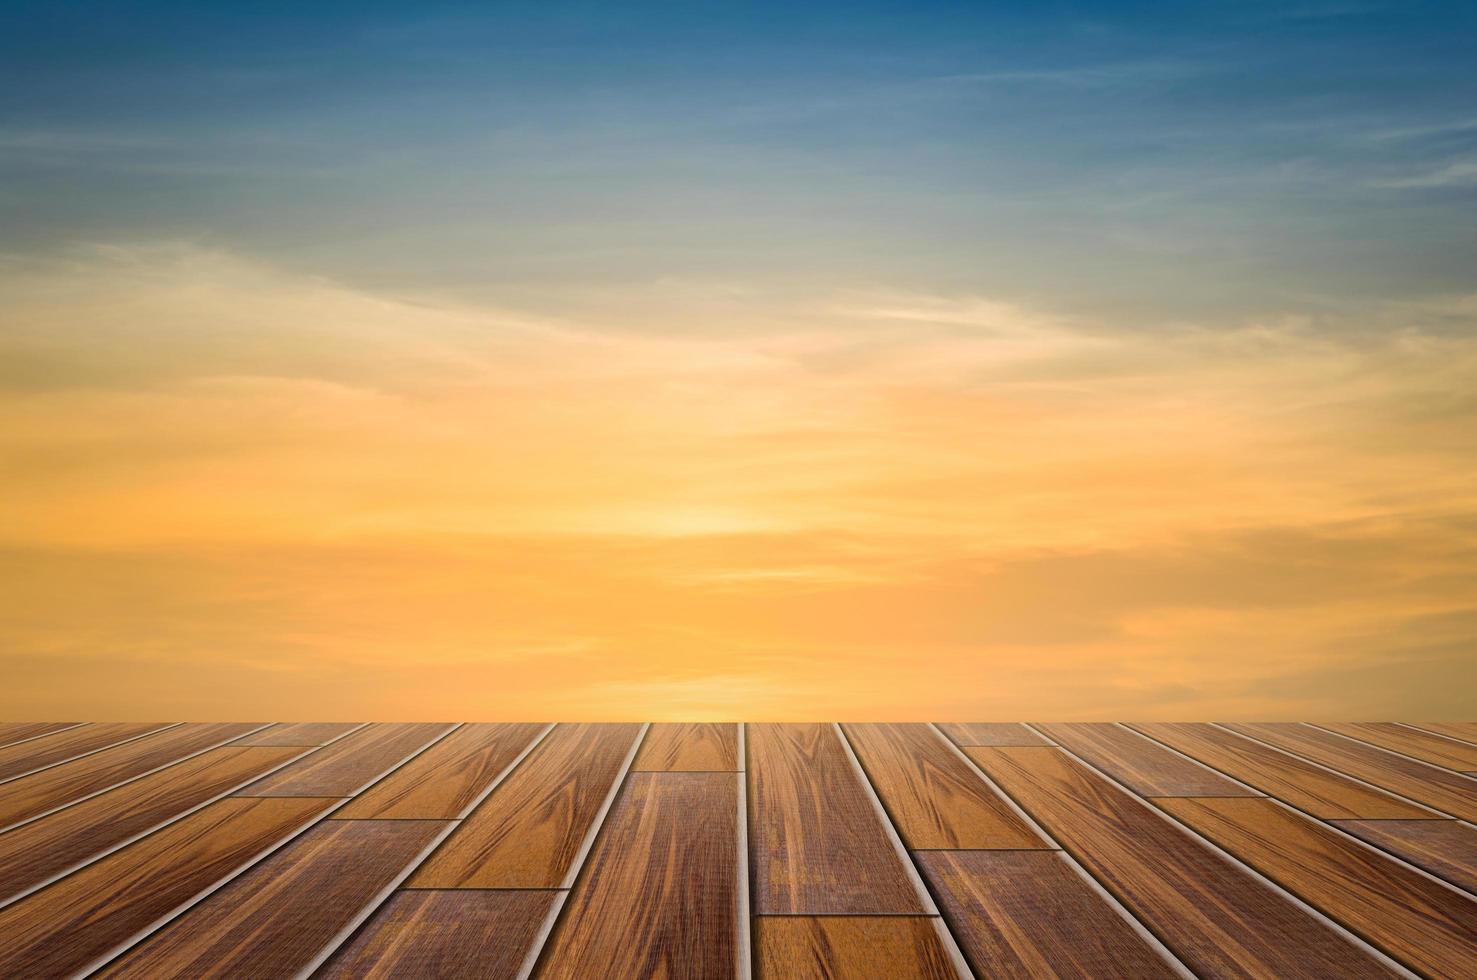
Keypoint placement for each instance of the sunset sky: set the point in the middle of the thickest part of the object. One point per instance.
(717, 360)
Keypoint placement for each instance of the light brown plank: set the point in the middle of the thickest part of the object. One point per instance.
(1446, 791)
(23, 757)
(1445, 848)
(1464, 730)
(1217, 919)
(1435, 749)
(791, 947)
(674, 747)
(659, 897)
(1289, 778)
(1147, 768)
(533, 830)
(30, 796)
(278, 918)
(86, 915)
(1027, 914)
(445, 780)
(36, 852)
(935, 798)
(348, 765)
(816, 841)
(20, 731)
(301, 733)
(1421, 923)
(990, 733)
(460, 934)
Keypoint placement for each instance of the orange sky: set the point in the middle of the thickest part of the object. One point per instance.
(231, 490)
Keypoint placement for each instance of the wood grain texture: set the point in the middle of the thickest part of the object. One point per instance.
(676, 747)
(277, 918)
(445, 780)
(29, 796)
(990, 733)
(1147, 768)
(1421, 923)
(86, 915)
(348, 765)
(1446, 791)
(1464, 730)
(460, 934)
(1445, 848)
(935, 798)
(1435, 749)
(1289, 778)
(1026, 914)
(659, 896)
(1217, 919)
(21, 758)
(532, 829)
(849, 947)
(301, 733)
(37, 851)
(19, 731)
(816, 840)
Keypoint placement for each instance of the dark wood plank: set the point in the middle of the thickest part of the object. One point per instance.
(1435, 749)
(300, 733)
(850, 947)
(20, 731)
(1423, 924)
(38, 851)
(1445, 848)
(1290, 778)
(38, 793)
(278, 918)
(348, 765)
(23, 757)
(990, 733)
(1446, 791)
(817, 843)
(534, 828)
(659, 897)
(460, 934)
(1217, 919)
(675, 747)
(87, 915)
(935, 798)
(443, 782)
(1147, 768)
(1464, 730)
(1027, 914)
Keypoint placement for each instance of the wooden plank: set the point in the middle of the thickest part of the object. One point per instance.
(534, 828)
(301, 734)
(446, 780)
(1435, 749)
(852, 948)
(1291, 779)
(1464, 730)
(935, 798)
(87, 915)
(673, 747)
(817, 841)
(278, 918)
(20, 731)
(990, 733)
(1423, 924)
(1445, 848)
(1217, 919)
(459, 934)
(1029, 914)
(1147, 768)
(38, 851)
(41, 792)
(21, 758)
(349, 764)
(660, 896)
(1446, 791)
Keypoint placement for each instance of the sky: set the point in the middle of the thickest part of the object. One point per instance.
(768, 361)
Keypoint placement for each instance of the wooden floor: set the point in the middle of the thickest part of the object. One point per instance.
(720, 850)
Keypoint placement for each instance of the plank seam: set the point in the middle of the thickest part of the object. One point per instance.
(373, 780)
(32, 738)
(83, 755)
(744, 941)
(1189, 758)
(1399, 755)
(1426, 731)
